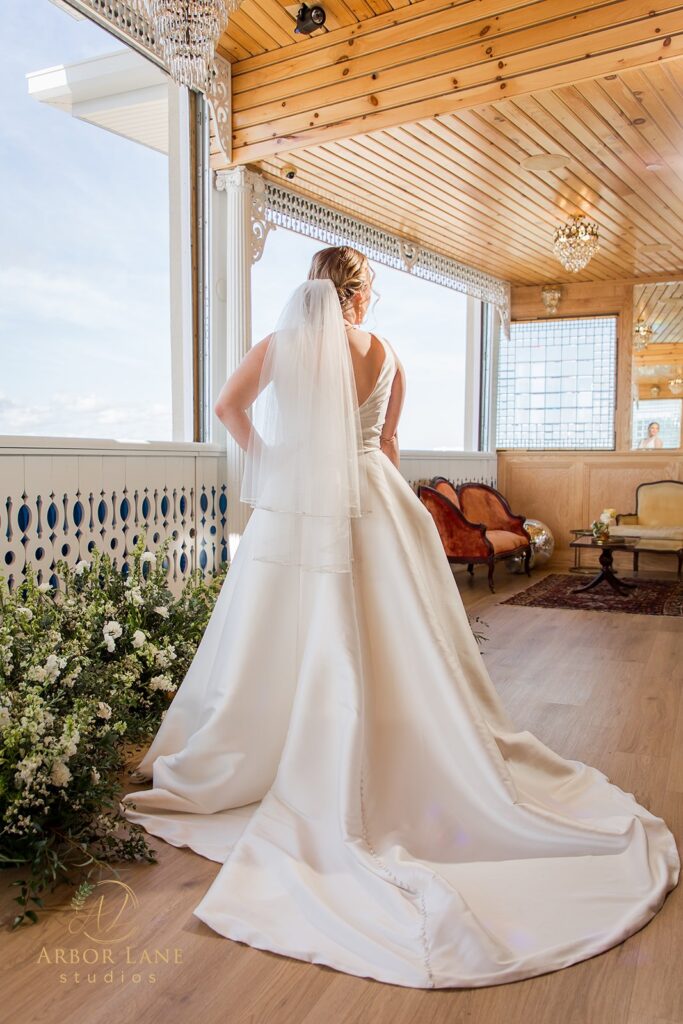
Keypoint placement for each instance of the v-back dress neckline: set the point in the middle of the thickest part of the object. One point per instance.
(381, 369)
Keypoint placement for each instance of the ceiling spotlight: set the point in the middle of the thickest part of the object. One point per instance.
(654, 167)
(308, 19)
(545, 161)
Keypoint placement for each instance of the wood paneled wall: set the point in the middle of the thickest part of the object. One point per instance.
(568, 488)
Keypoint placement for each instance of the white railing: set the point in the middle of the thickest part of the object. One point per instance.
(60, 498)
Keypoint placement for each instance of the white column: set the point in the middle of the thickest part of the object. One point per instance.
(245, 234)
(472, 374)
(180, 229)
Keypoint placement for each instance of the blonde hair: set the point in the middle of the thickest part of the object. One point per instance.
(347, 268)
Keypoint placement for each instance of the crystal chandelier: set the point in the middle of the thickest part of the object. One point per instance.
(188, 31)
(642, 335)
(676, 386)
(576, 242)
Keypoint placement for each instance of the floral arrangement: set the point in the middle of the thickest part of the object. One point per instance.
(81, 668)
(601, 525)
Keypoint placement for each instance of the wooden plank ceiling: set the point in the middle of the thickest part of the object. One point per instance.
(453, 180)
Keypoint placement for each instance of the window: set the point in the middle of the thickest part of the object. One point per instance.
(425, 323)
(556, 384)
(85, 285)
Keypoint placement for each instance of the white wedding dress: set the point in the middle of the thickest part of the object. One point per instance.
(338, 747)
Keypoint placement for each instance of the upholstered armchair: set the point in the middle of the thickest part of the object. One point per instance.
(476, 524)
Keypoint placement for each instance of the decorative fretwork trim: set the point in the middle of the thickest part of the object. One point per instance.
(130, 22)
(309, 217)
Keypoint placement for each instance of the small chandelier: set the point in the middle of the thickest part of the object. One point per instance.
(551, 295)
(188, 31)
(642, 335)
(576, 242)
(676, 386)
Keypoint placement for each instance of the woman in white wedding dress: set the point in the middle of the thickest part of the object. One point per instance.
(337, 744)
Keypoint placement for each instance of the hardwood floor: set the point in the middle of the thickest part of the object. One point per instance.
(598, 687)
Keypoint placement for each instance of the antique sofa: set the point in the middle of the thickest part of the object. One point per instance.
(658, 516)
(476, 524)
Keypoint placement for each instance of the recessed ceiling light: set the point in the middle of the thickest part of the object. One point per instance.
(545, 161)
(638, 120)
(654, 167)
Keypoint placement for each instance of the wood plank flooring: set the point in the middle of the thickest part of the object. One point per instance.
(598, 687)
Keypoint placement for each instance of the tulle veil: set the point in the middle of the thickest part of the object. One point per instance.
(305, 475)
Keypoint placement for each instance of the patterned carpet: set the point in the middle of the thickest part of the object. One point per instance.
(652, 597)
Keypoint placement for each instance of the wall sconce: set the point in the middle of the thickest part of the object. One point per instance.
(654, 390)
(551, 295)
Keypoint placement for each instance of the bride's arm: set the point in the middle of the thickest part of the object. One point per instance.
(240, 391)
(389, 437)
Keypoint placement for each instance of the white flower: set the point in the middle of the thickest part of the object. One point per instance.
(26, 612)
(112, 628)
(103, 710)
(162, 610)
(44, 587)
(80, 567)
(138, 639)
(164, 658)
(60, 774)
(37, 674)
(162, 682)
(147, 556)
(94, 775)
(134, 596)
(54, 665)
(109, 641)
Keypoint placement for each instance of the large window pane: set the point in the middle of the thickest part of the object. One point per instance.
(84, 269)
(556, 384)
(425, 323)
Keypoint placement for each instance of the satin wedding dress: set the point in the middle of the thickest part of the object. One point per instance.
(339, 748)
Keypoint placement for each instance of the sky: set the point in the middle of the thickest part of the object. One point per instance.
(84, 271)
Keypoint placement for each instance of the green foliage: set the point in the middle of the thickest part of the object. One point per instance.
(82, 669)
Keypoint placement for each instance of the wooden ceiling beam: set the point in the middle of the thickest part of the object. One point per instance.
(439, 68)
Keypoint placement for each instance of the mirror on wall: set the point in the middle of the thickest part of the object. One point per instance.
(657, 378)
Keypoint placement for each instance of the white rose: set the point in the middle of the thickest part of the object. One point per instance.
(138, 639)
(147, 556)
(60, 774)
(44, 587)
(26, 612)
(112, 628)
(103, 710)
(80, 567)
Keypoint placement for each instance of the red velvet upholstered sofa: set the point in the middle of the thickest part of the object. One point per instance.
(475, 524)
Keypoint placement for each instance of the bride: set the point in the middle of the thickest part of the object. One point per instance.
(337, 745)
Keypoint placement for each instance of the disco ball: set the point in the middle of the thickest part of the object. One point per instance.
(542, 546)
